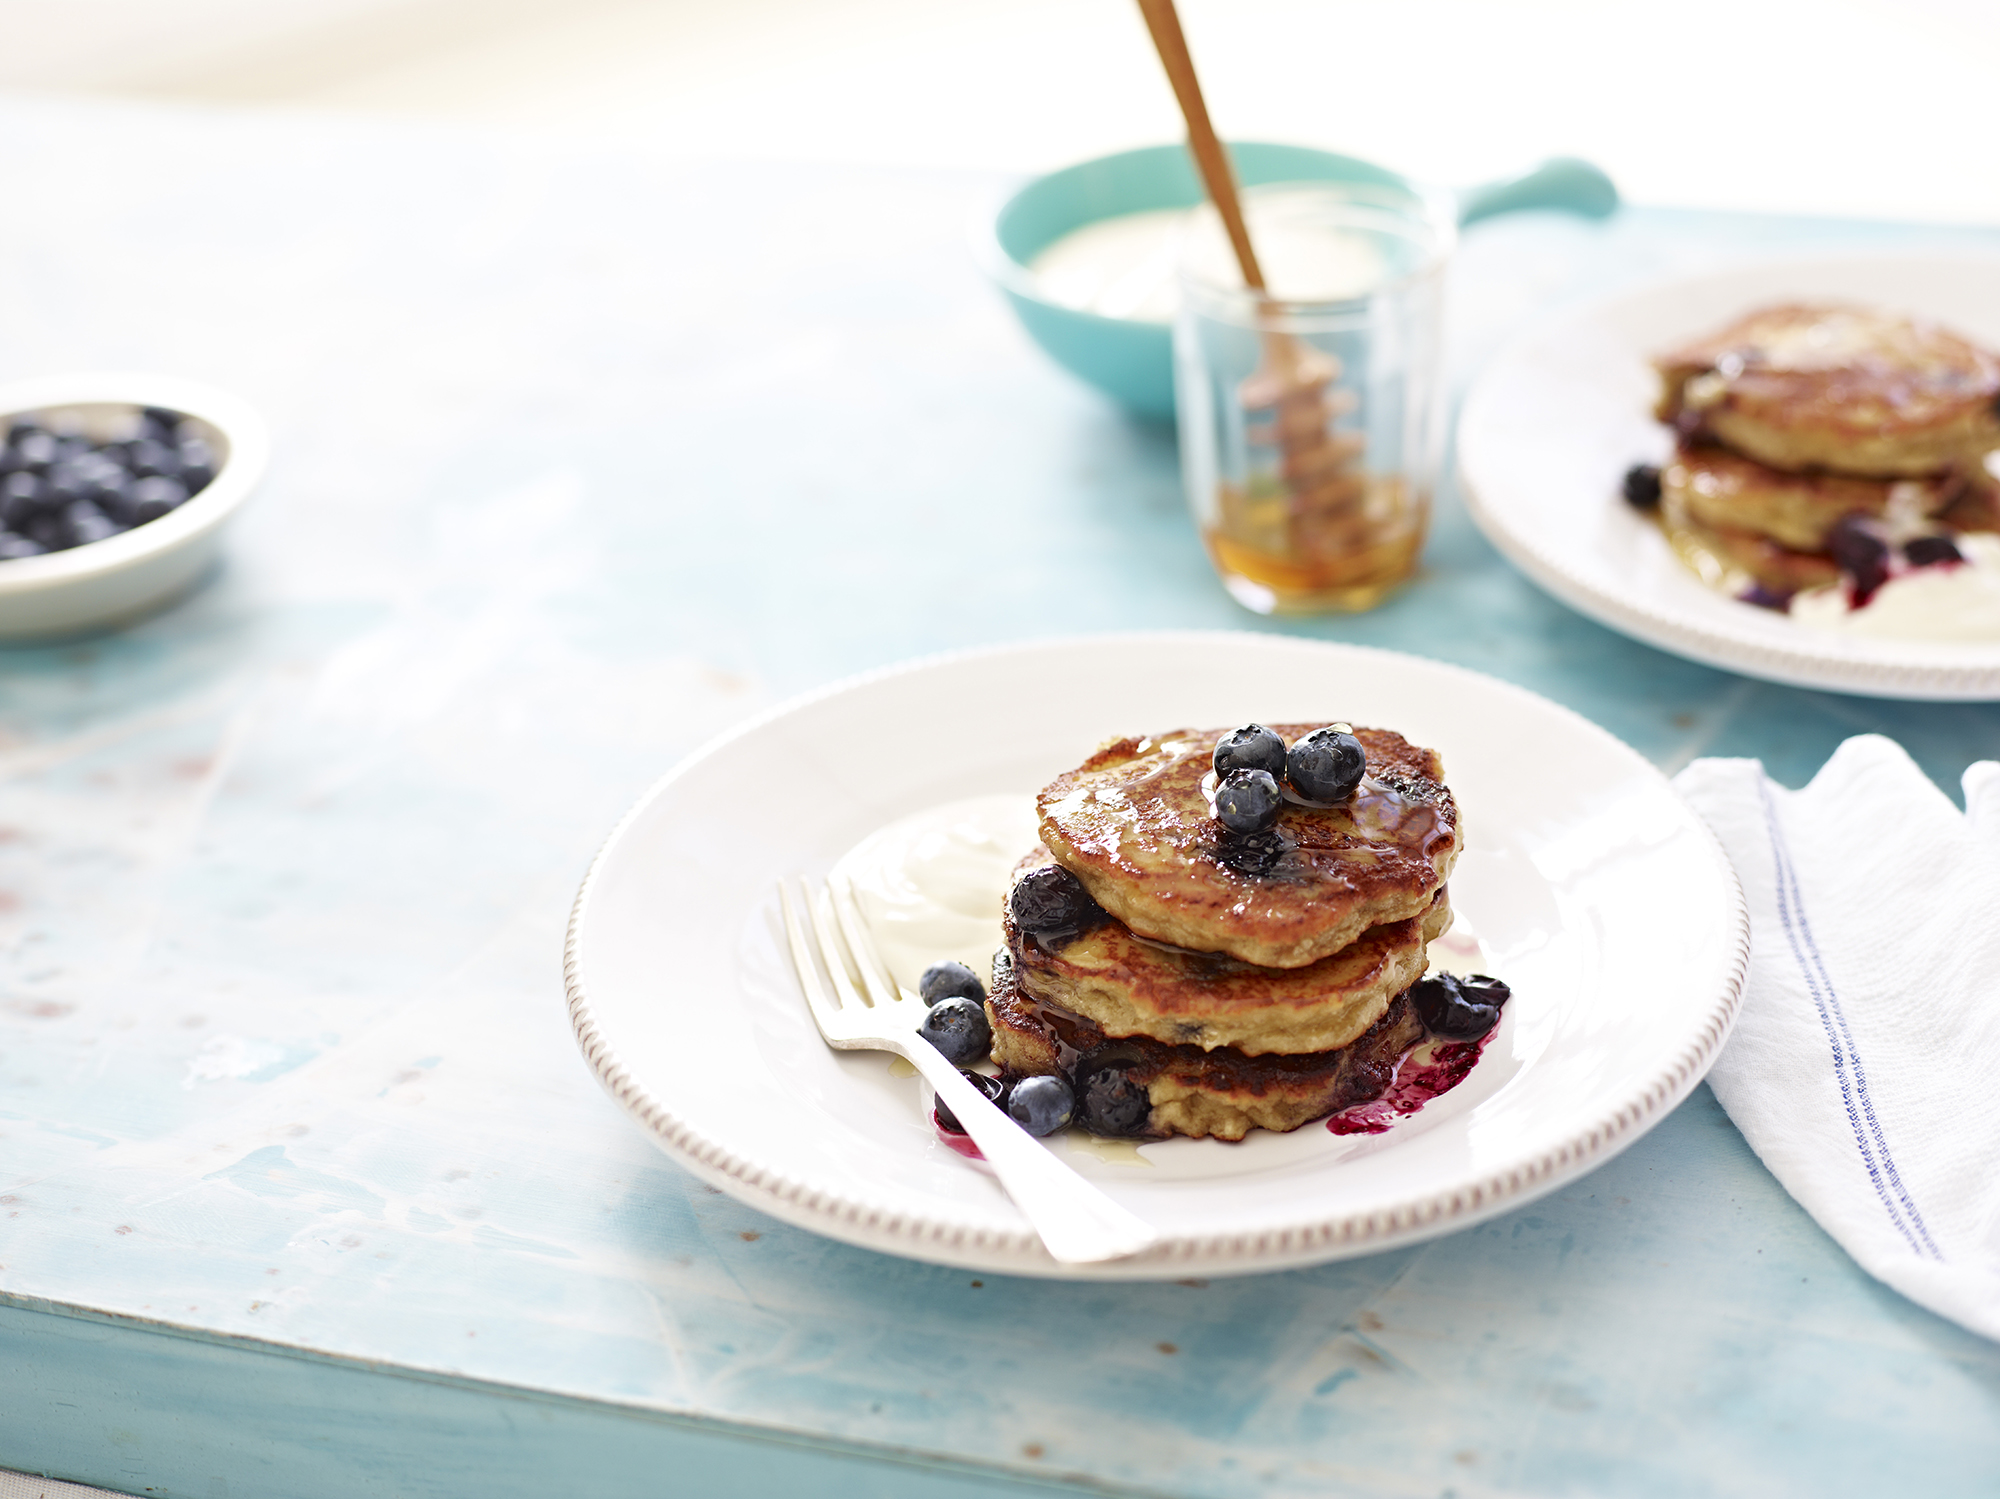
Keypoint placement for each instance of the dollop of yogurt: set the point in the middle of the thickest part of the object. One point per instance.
(1957, 601)
(930, 885)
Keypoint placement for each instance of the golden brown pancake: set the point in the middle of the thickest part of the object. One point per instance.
(1724, 557)
(1718, 488)
(1847, 389)
(1129, 985)
(1221, 1093)
(1132, 823)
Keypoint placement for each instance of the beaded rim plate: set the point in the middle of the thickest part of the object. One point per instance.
(1552, 424)
(1610, 908)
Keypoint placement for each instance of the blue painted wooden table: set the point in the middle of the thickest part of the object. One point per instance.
(304, 1190)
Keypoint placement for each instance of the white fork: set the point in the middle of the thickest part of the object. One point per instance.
(1079, 1225)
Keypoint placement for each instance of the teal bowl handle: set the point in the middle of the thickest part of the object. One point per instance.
(1563, 183)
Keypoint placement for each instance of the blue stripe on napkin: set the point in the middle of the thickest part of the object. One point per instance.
(1846, 1060)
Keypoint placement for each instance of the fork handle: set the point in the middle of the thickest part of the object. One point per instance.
(1079, 1225)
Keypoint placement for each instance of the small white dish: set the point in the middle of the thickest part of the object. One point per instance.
(1591, 888)
(1554, 422)
(123, 577)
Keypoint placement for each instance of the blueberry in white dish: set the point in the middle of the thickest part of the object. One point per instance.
(60, 490)
(958, 1028)
(992, 1087)
(1458, 1009)
(1041, 1105)
(949, 980)
(1109, 1099)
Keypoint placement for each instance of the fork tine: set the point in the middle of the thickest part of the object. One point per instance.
(875, 976)
(802, 957)
(830, 950)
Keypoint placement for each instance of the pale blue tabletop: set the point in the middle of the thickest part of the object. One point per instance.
(304, 1189)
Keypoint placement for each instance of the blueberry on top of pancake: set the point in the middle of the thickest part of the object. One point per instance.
(1134, 824)
(1849, 389)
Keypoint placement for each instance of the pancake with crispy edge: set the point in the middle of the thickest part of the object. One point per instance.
(1129, 985)
(1133, 823)
(1725, 491)
(1849, 389)
(1221, 1093)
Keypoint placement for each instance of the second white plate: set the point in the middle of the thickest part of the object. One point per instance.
(1594, 890)
(1553, 423)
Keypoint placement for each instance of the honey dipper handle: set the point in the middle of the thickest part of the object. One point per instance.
(1209, 157)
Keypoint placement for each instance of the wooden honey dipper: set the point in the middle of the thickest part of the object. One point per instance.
(1293, 381)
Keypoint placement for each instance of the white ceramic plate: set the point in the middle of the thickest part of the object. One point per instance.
(1553, 423)
(1593, 890)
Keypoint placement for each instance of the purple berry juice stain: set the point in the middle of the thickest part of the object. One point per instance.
(1447, 1066)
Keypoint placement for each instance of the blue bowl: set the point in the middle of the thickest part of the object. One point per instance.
(1132, 361)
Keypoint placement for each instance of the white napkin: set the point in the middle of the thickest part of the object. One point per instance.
(1865, 1070)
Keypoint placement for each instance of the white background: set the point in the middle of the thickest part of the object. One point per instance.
(1860, 107)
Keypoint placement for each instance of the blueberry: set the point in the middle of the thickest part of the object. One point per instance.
(111, 488)
(1041, 1105)
(160, 424)
(1859, 553)
(1929, 551)
(1448, 1010)
(992, 1087)
(68, 481)
(87, 523)
(958, 1028)
(198, 465)
(1642, 487)
(23, 427)
(12, 546)
(1051, 902)
(1326, 765)
(154, 497)
(1252, 747)
(1766, 598)
(1253, 853)
(51, 529)
(1109, 1100)
(148, 459)
(37, 450)
(949, 981)
(1484, 989)
(1247, 801)
(21, 495)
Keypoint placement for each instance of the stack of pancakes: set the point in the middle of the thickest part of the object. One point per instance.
(1243, 981)
(1795, 417)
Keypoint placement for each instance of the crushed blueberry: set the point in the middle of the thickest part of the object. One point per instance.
(958, 1028)
(1859, 553)
(1109, 1100)
(1041, 1105)
(1642, 487)
(1253, 853)
(1766, 598)
(62, 490)
(1456, 1009)
(1929, 551)
(943, 981)
(1051, 904)
(992, 1087)
(1248, 801)
(1326, 765)
(1252, 747)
